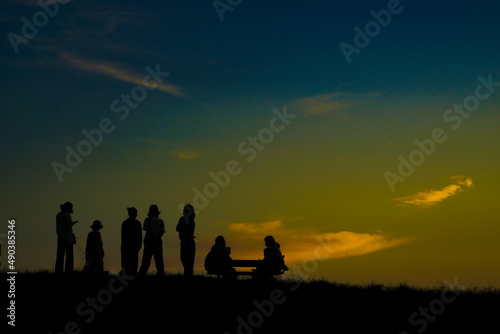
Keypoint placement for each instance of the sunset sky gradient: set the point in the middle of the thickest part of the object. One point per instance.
(218, 104)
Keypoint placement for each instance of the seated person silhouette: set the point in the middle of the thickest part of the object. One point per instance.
(273, 262)
(218, 261)
(94, 252)
(285, 267)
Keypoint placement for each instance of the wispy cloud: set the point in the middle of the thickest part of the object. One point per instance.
(246, 239)
(254, 228)
(432, 197)
(186, 154)
(326, 104)
(117, 72)
(159, 147)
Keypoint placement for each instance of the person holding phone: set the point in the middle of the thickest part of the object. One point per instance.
(65, 239)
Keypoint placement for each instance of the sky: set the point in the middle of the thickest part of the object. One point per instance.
(362, 135)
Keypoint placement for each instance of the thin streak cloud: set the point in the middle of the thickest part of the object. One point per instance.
(326, 104)
(433, 197)
(254, 228)
(116, 72)
(187, 154)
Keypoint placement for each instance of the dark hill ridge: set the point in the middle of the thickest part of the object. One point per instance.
(102, 304)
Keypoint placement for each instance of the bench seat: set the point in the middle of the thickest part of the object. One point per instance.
(242, 264)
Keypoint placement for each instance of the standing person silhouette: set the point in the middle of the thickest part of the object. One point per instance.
(131, 243)
(155, 228)
(185, 227)
(65, 238)
(94, 251)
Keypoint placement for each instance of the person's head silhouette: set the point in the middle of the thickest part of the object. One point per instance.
(67, 207)
(269, 241)
(96, 225)
(132, 212)
(220, 240)
(188, 212)
(153, 211)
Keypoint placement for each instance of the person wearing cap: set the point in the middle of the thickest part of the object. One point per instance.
(155, 228)
(94, 252)
(185, 227)
(131, 242)
(65, 239)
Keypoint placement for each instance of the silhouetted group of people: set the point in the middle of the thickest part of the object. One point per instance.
(218, 260)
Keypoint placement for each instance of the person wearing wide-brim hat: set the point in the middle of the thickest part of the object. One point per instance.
(68, 207)
(94, 252)
(153, 245)
(65, 239)
(96, 225)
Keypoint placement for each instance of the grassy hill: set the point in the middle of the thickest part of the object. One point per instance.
(83, 303)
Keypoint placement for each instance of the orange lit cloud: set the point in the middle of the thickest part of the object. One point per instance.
(114, 71)
(325, 104)
(432, 197)
(187, 154)
(247, 241)
(255, 228)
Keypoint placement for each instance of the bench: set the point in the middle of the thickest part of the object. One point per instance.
(243, 264)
